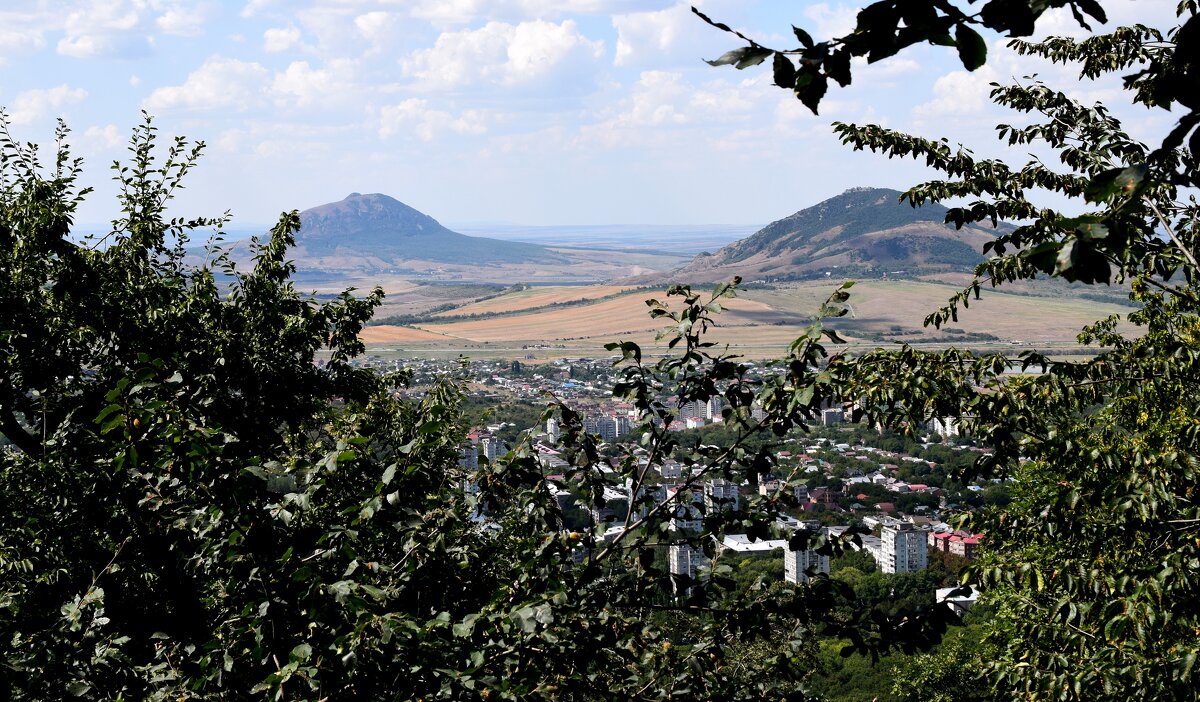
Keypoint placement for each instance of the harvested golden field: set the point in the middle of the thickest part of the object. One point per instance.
(606, 320)
(391, 334)
(536, 297)
(760, 323)
(882, 306)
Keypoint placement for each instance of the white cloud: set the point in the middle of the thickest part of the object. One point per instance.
(376, 27)
(960, 93)
(890, 67)
(19, 41)
(337, 28)
(219, 84)
(101, 29)
(303, 86)
(831, 21)
(505, 55)
(414, 115)
(673, 35)
(662, 100)
(279, 39)
(182, 21)
(32, 105)
(230, 140)
(252, 7)
(103, 138)
(445, 12)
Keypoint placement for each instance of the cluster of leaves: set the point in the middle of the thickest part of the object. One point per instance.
(887, 27)
(196, 508)
(1093, 566)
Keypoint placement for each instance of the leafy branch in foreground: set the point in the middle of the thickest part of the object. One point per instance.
(1093, 567)
(197, 509)
(1166, 64)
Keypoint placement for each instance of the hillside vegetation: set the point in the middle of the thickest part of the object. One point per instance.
(863, 231)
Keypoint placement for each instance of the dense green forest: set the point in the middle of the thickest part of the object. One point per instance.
(195, 510)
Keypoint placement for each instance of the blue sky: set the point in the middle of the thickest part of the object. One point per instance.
(515, 111)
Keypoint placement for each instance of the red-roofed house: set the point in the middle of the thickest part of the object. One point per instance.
(965, 546)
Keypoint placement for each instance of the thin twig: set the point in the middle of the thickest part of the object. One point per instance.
(1171, 233)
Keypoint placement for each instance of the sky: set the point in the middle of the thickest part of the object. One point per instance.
(531, 112)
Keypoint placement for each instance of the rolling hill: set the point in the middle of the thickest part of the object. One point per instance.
(374, 239)
(379, 231)
(861, 231)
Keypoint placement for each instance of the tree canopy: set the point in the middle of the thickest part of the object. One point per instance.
(1166, 65)
(1093, 566)
(206, 499)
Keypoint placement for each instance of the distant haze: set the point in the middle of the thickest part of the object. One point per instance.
(683, 239)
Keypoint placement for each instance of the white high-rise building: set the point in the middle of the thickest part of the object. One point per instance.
(606, 427)
(903, 548)
(492, 446)
(552, 428)
(695, 408)
(686, 561)
(468, 456)
(686, 517)
(683, 559)
(797, 563)
(944, 426)
(712, 408)
(720, 496)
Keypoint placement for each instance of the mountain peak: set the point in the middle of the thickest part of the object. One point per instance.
(375, 225)
(860, 231)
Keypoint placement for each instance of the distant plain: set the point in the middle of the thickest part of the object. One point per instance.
(759, 323)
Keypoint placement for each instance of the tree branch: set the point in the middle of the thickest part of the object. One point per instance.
(1171, 233)
(14, 432)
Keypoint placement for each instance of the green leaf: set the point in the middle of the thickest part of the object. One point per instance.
(1116, 181)
(107, 411)
(837, 66)
(972, 49)
(78, 688)
(1067, 256)
(803, 37)
(784, 71)
(113, 423)
(1094, 9)
(464, 628)
(742, 58)
(810, 87)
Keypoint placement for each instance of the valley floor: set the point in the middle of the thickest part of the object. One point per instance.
(557, 321)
